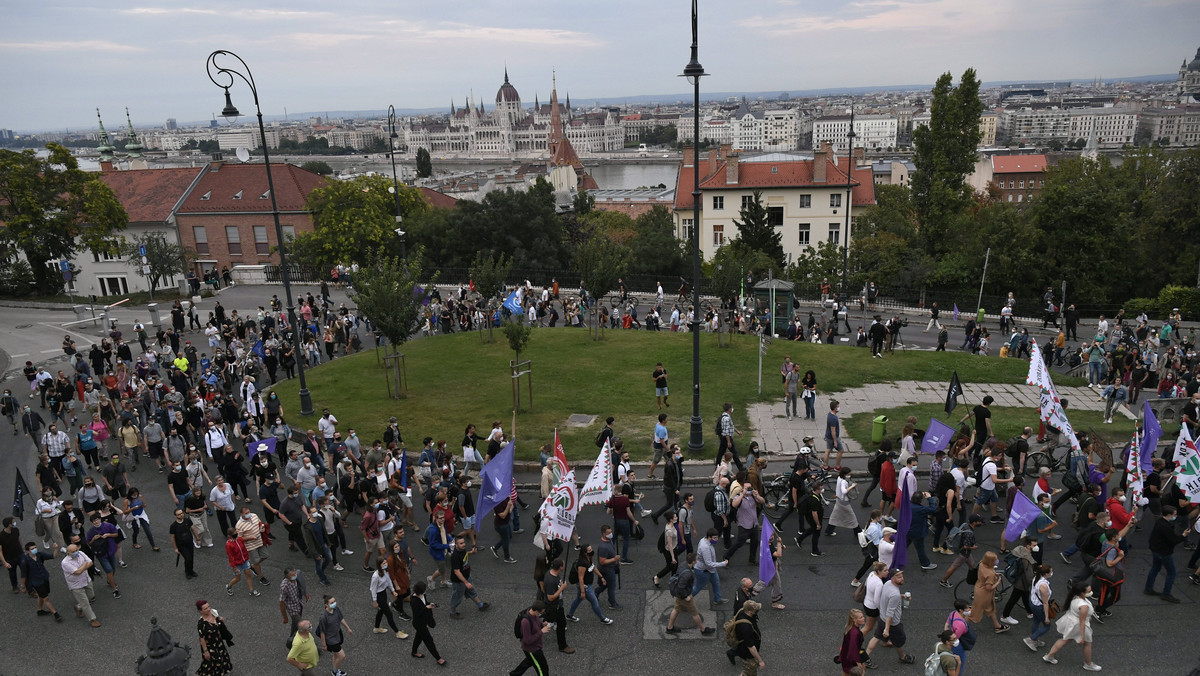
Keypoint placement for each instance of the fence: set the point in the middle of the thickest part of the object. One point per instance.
(298, 274)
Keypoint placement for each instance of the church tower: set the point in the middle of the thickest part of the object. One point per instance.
(133, 147)
(105, 148)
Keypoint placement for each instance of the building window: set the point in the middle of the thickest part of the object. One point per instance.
(805, 232)
(747, 200)
(113, 255)
(835, 233)
(261, 246)
(775, 217)
(718, 202)
(113, 286)
(1022, 184)
(1012, 183)
(1010, 198)
(1021, 198)
(835, 200)
(289, 233)
(686, 233)
(201, 237)
(718, 235)
(234, 239)
(806, 201)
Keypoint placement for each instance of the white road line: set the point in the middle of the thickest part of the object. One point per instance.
(49, 351)
(88, 340)
(18, 356)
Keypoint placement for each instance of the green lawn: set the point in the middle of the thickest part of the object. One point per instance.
(455, 380)
(1007, 422)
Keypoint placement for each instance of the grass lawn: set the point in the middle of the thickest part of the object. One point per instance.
(455, 380)
(1007, 422)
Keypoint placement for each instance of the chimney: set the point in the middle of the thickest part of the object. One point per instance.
(858, 155)
(725, 150)
(820, 159)
(216, 163)
(731, 169)
(106, 165)
(712, 157)
(689, 156)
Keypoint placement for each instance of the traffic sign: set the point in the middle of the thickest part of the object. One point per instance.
(145, 269)
(64, 265)
(142, 250)
(66, 275)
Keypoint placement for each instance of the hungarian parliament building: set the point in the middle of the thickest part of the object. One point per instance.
(511, 129)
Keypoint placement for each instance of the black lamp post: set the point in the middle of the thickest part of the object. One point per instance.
(163, 657)
(849, 200)
(392, 136)
(693, 72)
(223, 78)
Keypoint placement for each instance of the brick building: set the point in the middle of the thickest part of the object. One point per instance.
(1019, 177)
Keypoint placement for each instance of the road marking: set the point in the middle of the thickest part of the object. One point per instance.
(49, 351)
(18, 356)
(88, 339)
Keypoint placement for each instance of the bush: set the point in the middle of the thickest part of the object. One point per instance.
(1136, 306)
(16, 278)
(1182, 297)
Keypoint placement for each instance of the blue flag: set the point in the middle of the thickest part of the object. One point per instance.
(956, 312)
(495, 482)
(766, 564)
(937, 436)
(512, 304)
(258, 350)
(1023, 513)
(262, 446)
(1150, 435)
(903, 521)
(404, 470)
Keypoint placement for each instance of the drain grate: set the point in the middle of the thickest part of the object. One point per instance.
(23, 326)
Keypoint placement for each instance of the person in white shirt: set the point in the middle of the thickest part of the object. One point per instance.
(48, 508)
(216, 444)
(327, 426)
(887, 546)
(75, 567)
(221, 497)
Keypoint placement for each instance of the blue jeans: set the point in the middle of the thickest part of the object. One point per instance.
(458, 591)
(810, 407)
(516, 518)
(919, 545)
(1094, 372)
(323, 563)
(591, 597)
(1161, 561)
(1040, 625)
(962, 655)
(610, 582)
(704, 577)
(622, 529)
(505, 532)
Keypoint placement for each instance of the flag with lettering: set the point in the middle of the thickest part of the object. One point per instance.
(559, 460)
(1039, 373)
(953, 394)
(1187, 465)
(937, 436)
(512, 304)
(598, 488)
(1151, 433)
(1134, 473)
(262, 446)
(495, 482)
(1053, 415)
(559, 509)
(20, 490)
(903, 522)
(766, 564)
(1023, 513)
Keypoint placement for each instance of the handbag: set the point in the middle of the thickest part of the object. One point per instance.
(860, 593)
(39, 526)
(1052, 610)
(1103, 571)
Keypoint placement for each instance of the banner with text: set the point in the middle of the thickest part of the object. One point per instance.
(598, 488)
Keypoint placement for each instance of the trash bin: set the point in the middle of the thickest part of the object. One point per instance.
(154, 318)
(878, 428)
(80, 312)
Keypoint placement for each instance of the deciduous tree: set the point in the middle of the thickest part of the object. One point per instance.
(163, 258)
(756, 231)
(424, 164)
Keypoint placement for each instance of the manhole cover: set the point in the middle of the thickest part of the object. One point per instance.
(23, 326)
(580, 419)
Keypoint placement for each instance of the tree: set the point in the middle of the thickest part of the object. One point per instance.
(489, 273)
(600, 262)
(517, 334)
(815, 264)
(51, 209)
(583, 202)
(424, 164)
(944, 154)
(729, 266)
(655, 249)
(390, 293)
(317, 167)
(756, 231)
(163, 258)
(354, 220)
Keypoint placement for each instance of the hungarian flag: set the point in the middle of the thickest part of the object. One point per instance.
(559, 460)
(953, 394)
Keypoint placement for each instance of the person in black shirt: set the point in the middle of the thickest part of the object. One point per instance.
(184, 542)
(460, 575)
(812, 510)
(1163, 540)
(749, 638)
(797, 490)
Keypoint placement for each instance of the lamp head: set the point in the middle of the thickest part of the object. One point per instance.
(693, 71)
(230, 111)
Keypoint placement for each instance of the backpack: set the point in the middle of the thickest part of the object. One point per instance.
(662, 541)
(933, 663)
(521, 617)
(710, 500)
(967, 640)
(600, 438)
(573, 576)
(1013, 566)
(731, 631)
(873, 465)
(954, 539)
(717, 429)
(1014, 451)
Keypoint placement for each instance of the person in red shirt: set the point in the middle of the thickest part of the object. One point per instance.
(239, 561)
(888, 486)
(446, 506)
(1119, 515)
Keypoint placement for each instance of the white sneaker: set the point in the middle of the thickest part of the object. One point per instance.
(1009, 620)
(347, 552)
(1092, 666)
(855, 583)
(645, 512)
(1029, 643)
(338, 566)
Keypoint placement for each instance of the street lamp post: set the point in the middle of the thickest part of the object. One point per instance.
(392, 136)
(222, 77)
(849, 200)
(163, 657)
(693, 71)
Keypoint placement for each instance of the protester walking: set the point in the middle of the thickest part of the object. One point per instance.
(1075, 625)
(532, 629)
(381, 586)
(329, 629)
(213, 636)
(748, 639)
(423, 621)
(852, 657)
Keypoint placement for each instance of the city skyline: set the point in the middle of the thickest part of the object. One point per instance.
(150, 57)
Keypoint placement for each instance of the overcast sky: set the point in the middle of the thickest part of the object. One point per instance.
(62, 59)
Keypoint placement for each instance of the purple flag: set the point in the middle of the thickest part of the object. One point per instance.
(495, 481)
(956, 312)
(766, 564)
(903, 522)
(404, 469)
(263, 446)
(937, 436)
(1150, 435)
(1023, 513)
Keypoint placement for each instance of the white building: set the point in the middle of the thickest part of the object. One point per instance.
(1113, 127)
(870, 131)
(747, 129)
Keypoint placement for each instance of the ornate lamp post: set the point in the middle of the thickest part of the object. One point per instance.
(163, 658)
(849, 201)
(392, 136)
(222, 77)
(693, 71)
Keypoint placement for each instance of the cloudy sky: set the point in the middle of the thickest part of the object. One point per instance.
(64, 58)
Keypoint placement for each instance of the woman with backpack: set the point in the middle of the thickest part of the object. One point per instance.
(964, 634)
(1018, 568)
(582, 575)
(670, 545)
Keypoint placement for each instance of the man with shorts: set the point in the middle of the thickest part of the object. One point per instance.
(239, 561)
(250, 529)
(833, 435)
(460, 572)
(889, 630)
(987, 486)
(371, 535)
(154, 438)
(728, 430)
(102, 538)
(464, 507)
(660, 385)
(684, 603)
(966, 549)
(37, 578)
(659, 444)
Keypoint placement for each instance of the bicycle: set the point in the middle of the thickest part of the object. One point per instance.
(1044, 457)
(966, 592)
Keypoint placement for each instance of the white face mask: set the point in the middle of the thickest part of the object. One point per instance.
(1035, 548)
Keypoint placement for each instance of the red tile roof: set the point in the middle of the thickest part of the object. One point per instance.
(1018, 164)
(796, 174)
(222, 183)
(437, 199)
(149, 195)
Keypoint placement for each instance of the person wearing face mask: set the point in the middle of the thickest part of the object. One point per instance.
(178, 481)
(1164, 537)
(183, 541)
(292, 596)
(329, 628)
(1075, 625)
(263, 466)
(399, 560)
(306, 478)
(75, 567)
(9, 408)
(32, 424)
(48, 509)
(282, 432)
(381, 586)
(36, 579)
(1039, 601)
(291, 512)
(948, 660)
(372, 539)
(1022, 582)
(251, 531)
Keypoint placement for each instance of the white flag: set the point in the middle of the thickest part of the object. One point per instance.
(1187, 465)
(1136, 476)
(1038, 373)
(559, 508)
(598, 488)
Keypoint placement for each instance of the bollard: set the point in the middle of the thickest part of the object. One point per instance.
(80, 312)
(154, 318)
